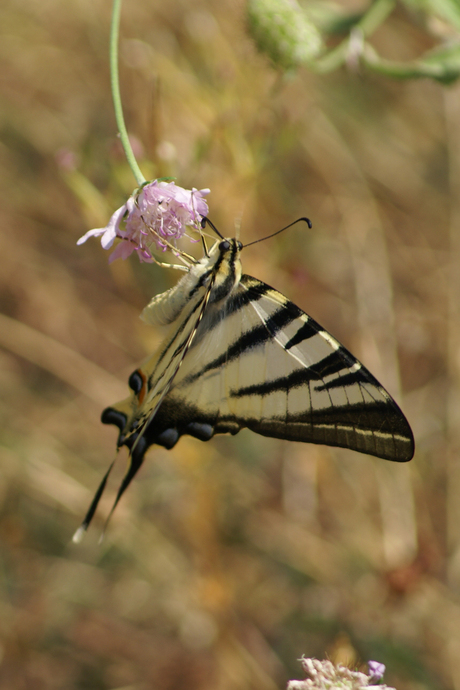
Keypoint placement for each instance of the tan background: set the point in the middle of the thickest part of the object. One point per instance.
(225, 562)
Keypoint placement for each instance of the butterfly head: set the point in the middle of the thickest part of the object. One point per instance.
(224, 265)
(229, 245)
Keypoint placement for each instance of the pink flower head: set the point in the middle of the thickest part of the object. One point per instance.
(376, 670)
(154, 217)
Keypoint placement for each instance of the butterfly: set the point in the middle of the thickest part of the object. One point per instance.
(239, 354)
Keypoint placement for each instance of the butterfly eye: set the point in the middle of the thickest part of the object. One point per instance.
(239, 245)
(224, 246)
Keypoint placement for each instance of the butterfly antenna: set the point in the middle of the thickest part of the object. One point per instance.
(306, 220)
(205, 220)
(78, 536)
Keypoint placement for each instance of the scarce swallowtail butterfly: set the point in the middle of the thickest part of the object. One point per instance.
(238, 355)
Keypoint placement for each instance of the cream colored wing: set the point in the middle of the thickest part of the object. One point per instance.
(263, 364)
(240, 354)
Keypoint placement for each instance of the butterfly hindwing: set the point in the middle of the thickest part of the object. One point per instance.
(151, 382)
(183, 307)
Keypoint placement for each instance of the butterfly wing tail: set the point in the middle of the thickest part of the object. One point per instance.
(78, 536)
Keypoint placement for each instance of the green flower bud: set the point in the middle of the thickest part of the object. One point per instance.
(282, 30)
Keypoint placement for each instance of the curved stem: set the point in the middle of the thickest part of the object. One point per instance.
(369, 22)
(115, 83)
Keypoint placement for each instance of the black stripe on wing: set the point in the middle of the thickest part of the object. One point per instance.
(254, 290)
(307, 330)
(255, 337)
(303, 376)
(180, 329)
(377, 429)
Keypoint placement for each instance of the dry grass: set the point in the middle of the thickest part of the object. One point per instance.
(226, 561)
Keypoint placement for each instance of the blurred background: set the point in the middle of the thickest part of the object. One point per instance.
(225, 561)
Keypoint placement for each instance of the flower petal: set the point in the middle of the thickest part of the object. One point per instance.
(90, 233)
(110, 233)
(122, 251)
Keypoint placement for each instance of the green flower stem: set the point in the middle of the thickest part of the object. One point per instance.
(416, 69)
(115, 83)
(376, 15)
(370, 21)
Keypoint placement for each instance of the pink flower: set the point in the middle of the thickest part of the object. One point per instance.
(376, 670)
(154, 217)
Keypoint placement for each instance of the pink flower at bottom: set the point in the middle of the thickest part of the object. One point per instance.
(376, 670)
(154, 217)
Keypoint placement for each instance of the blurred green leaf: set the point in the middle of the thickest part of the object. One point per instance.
(441, 64)
(331, 17)
(449, 10)
(446, 60)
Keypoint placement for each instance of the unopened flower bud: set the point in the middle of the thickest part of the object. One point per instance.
(282, 30)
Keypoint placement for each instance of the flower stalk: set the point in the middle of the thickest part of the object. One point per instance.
(115, 84)
(156, 214)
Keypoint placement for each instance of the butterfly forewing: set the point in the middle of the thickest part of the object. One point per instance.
(270, 367)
